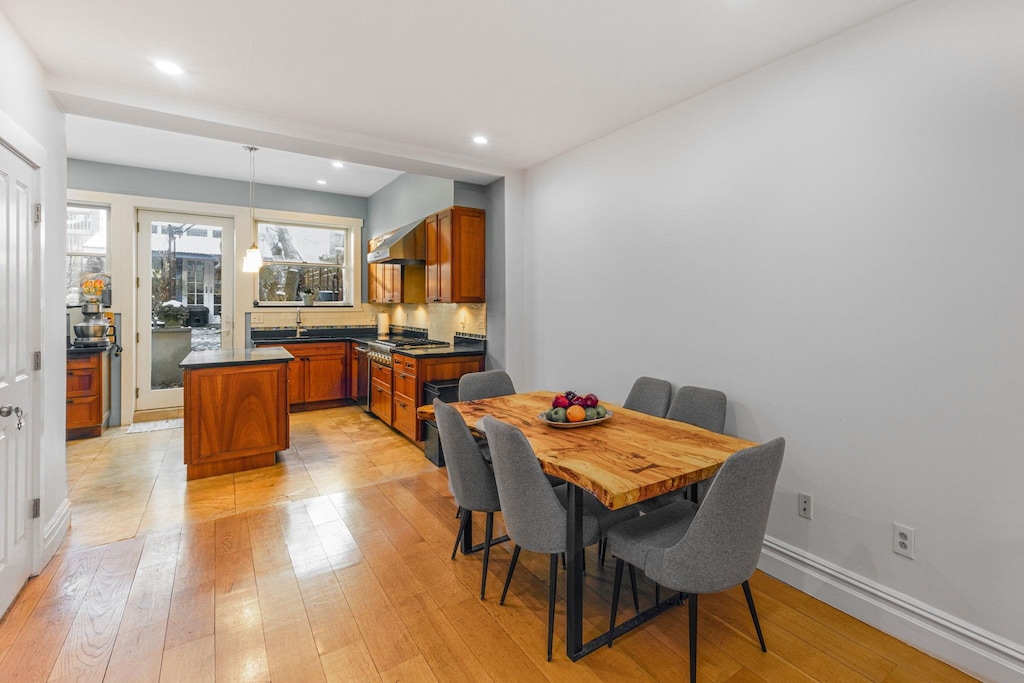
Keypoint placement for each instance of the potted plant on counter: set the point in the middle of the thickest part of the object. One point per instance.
(173, 313)
(308, 294)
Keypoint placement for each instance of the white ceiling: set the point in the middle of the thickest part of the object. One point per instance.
(121, 143)
(399, 84)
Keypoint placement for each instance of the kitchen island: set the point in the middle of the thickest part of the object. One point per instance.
(236, 409)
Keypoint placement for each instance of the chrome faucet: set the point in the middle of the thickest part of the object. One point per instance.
(299, 329)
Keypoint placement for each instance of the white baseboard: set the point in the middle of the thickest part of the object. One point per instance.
(55, 532)
(960, 644)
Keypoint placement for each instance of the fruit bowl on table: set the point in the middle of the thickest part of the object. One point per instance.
(581, 423)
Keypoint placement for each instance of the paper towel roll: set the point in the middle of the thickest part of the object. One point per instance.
(383, 326)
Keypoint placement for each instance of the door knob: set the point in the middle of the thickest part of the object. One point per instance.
(6, 410)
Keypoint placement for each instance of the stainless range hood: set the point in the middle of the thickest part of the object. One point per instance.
(404, 246)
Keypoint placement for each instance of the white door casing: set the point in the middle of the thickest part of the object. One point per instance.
(19, 187)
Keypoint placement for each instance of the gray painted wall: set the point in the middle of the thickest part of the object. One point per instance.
(494, 205)
(473, 196)
(405, 199)
(144, 182)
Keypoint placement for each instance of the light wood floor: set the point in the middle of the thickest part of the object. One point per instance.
(334, 565)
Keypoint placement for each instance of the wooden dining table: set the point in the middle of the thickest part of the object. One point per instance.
(623, 460)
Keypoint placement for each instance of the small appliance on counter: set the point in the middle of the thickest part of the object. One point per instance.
(94, 329)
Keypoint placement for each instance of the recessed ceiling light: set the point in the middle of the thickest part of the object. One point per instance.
(321, 182)
(480, 140)
(169, 68)
(337, 164)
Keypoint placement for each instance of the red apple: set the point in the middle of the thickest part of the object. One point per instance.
(560, 401)
(591, 400)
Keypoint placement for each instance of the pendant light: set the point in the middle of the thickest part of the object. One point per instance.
(253, 261)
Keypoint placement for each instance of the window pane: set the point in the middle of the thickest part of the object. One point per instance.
(302, 243)
(87, 229)
(285, 282)
(78, 268)
(298, 258)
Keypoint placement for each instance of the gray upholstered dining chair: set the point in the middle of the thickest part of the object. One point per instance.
(470, 478)
(704, 408)
(706, 549)
(487, 384)
(534, 512)
(649, 395)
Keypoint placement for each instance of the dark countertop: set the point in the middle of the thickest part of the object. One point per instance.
(225, 357)
(76, 352)
(464, 346)
(443, 352)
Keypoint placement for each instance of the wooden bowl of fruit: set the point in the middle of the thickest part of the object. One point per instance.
(570, 410)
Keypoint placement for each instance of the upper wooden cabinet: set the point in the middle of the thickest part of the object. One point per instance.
(455, 256)
(391, 283)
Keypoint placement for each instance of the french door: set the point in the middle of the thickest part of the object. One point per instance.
(18, 312)
(180, 266)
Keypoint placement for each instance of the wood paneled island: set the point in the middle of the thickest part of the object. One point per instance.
(236, 409)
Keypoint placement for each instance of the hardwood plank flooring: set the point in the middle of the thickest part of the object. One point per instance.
(334, 565)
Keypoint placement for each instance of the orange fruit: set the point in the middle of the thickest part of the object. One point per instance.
(575, 413)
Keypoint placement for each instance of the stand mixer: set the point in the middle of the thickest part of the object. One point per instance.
(94, 328)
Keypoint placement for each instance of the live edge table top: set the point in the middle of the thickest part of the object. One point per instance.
(622, 461)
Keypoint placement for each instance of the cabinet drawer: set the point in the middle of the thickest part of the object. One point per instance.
(83, 382)
(83, 412)
(380, 401)
(84, 362)
(404, 363)
(405, 382)
(380, 373)
(404, 419)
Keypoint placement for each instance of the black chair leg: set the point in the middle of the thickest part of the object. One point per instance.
(632, 582)
(602, 549)
(657, 594)
(488, 534)
(508, 577)
(615, 598)
(553, 589)
(563, 560)
(693, 638)
(753, 614)
(462, 530)
(458, 512)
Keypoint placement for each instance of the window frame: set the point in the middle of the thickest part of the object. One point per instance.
(351, 294)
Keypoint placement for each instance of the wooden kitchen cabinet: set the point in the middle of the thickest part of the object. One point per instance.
(318, 376)
(236, 414)
(409, 374)
(87, 402)
(455, 268)
(380, 391)
(391, 283)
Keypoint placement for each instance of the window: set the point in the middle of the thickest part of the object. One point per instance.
(86, 252)
(297, 258)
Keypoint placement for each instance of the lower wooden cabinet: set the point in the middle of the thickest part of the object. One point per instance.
(410, 372)
(380, 392)
(318, 376)
(236, 418)
(87, 402)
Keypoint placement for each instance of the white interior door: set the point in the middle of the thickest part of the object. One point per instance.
(17, 197)
(180, 258)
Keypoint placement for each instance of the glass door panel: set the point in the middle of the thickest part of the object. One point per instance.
(180, 306)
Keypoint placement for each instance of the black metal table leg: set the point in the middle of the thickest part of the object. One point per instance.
(574, 574)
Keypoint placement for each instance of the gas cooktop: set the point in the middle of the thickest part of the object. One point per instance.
(408, 342)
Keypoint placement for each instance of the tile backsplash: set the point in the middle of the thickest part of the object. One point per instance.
(441, 321)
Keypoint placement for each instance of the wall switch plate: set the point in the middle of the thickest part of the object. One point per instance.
(256, 318)
(903, 540)
(803, 502)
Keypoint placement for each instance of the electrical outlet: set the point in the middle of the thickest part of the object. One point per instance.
(803, 502)
(902, 540)
(256, 318)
